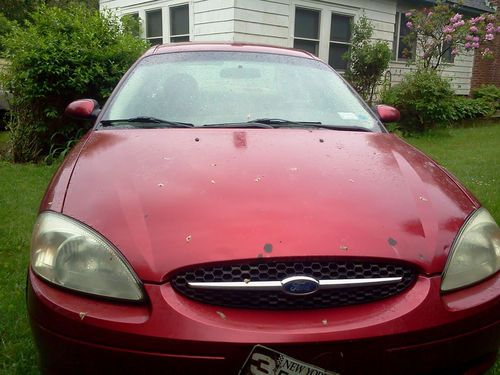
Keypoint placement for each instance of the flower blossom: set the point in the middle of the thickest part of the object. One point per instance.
(448, 29)
(498, 29)
(459, 23)
(467, 45)
(475, 45)
(454, 52)
(489, 37)
(473, 29)
(409, 24)
(475, 39)
(457, 17)
(408, 14)
(469, 37)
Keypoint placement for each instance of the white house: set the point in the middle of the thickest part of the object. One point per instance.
(319, 26)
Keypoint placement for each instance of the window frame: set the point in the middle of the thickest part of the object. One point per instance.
(170, 23)
(397, 40)
(146, 23)
(331, 42)
(165, 6)
(447, 58)
(317, 41)
(326, 11)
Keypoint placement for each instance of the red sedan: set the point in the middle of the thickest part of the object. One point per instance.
(238, 209)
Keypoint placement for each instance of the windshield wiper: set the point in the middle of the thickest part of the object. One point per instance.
(271, 123)
(146, 122)
(240, 125)
(280, 121)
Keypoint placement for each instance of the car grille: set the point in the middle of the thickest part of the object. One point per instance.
(277, 271)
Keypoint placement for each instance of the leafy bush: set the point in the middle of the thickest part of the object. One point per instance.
(424, 98)
(5, 26)
(59, 55)
(467, 108)
(489, 94)
(368, 60)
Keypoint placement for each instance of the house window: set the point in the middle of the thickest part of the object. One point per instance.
(306, 34)
(340, 40)
(401, 50)
(179, 23)
(447, 57)
(154, 27)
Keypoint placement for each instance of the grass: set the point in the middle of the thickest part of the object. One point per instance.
(472, 154)
(21, 189)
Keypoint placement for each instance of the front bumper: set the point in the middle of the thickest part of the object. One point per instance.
(416, 332)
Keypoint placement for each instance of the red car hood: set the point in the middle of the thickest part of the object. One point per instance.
(171, 198)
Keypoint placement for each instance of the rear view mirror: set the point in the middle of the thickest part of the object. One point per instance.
(386, 113)
(83, 109)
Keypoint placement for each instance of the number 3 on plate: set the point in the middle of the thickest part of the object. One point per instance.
(262, 364)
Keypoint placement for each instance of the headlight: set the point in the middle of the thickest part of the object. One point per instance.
(475, 253)
(70, 254)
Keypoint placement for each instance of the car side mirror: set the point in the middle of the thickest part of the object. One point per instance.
(386, 113)
(83, 109)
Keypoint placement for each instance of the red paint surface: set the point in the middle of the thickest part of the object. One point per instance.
(234, 191)
(82, 108)
(167, 202)
(388, 113)
(416, 327)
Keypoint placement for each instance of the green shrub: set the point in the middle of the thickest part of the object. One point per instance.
(368, 60)
(5, 26)
(489, 94)
(59, 55)
(424, 98)
(467, 108)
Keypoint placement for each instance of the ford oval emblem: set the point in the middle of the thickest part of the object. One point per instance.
(299, 285)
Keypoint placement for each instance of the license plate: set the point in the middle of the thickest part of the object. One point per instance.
(265, 361)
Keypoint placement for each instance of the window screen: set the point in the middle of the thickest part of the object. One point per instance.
(179, 23)
(306, 34)
(154, 27)
(340, 41)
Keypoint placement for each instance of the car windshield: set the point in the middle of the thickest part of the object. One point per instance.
(210, 88)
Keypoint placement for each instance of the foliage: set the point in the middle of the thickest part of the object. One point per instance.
(368, 60)
(5, 26)
(424, 99)
(18, 10)
(488, 93)
(467, 108)
(131, 25)
(60, 55)
(441, 30)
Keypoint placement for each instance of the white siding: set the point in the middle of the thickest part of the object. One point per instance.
(213, 20)
(262, 21)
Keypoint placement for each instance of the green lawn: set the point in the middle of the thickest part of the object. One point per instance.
(21, 189)
(472, 154)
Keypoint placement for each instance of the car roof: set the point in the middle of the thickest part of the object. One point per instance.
(227, 47)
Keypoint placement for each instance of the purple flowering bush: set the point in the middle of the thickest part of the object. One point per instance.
(441, 29)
